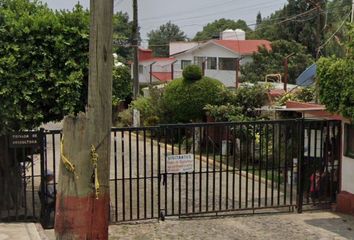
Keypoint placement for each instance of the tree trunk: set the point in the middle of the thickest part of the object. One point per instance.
(82, 212)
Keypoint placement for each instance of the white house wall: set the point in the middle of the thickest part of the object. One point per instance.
(228, 78)
(347, 170)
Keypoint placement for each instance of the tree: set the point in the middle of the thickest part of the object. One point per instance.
(184, 99)
(336, 83)
(270, 62)
(258, 19)
(122, 86)
(122, 36)
(213, 30)
(309, 23)
(43, 73)
(43, 64)
(159, 39)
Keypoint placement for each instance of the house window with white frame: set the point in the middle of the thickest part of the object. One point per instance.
(185, 63)
(199, 61)
(227, 64)
(212, 63)
(349, 140)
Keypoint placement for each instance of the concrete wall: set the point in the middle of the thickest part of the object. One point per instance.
(347, 168)
(345, 199)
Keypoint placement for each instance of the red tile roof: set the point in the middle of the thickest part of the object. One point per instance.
(162, 76)
(246, 47)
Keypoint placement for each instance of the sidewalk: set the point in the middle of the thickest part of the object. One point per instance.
(19, 231)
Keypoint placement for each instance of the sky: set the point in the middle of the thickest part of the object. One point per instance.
(189, 15)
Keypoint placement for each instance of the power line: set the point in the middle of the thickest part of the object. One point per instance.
(330, 38)
(215, 13)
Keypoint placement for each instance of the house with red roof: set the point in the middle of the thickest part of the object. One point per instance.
(153, 69)
(219, 56)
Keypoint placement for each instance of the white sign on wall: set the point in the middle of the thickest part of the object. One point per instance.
(180, 163)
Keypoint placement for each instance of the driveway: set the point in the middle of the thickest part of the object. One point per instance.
(309, 225)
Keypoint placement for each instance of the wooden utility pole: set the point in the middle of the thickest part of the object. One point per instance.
(82, 204)
(237, 72)
(135, 43)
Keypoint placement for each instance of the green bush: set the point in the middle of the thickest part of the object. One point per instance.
(125, 118)
(336, 85)
(184, 101)
(249, 98)
(301, 95)
(122, 87)
(192, 73)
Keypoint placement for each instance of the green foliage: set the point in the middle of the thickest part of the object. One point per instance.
(250, 98)
(122, 87)
(271, 62)
(310, 29)
(150, 107)
(336, 85)
(122, 35)
(192, 73)
(125, 118)
(184, 101)
(213, 30)
(43, 63)
(302, 95)
(238, 105)
(159, 39)
(223, 112)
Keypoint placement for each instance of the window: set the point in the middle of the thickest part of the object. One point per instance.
(227, 64)
(211, 63)
(185, 63)
(199, 61)
(349, 140)
(141, 68)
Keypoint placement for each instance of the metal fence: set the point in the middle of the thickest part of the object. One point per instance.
(246, 166)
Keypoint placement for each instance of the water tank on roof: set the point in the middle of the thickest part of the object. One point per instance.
(230, 34)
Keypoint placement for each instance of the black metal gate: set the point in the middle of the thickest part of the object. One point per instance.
(231, 167)
(246, 166)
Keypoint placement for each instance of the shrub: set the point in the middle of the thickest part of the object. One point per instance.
(192, 73)
(122, 88)
(249, 98)
(125, 118)
(302, 95)
(184, 101)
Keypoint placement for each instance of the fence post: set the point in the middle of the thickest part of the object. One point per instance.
(300, 178)
(42, 165)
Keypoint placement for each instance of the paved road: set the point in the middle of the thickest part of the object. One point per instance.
(310, 226)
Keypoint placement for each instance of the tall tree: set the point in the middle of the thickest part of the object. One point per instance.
(270, 62)
(310, 23)
(159, 39)
(335, 80)
(43, 73)
(122, 37)
(213, 30)
(258, 19)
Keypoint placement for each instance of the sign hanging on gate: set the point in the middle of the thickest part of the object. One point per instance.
(26, 139)
(180, 163)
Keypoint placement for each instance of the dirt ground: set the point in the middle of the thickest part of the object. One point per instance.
(319, 225)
